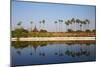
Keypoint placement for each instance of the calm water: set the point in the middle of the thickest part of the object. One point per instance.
(31, 53)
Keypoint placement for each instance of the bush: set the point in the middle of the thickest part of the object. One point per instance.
(87, 30)
(70, 30)
(19, 33)
(79, 31)
(93, 30)
(43, 30)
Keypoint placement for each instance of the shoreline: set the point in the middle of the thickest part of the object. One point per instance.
(54, 39)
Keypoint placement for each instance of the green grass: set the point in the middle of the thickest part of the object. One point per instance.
(54, 34)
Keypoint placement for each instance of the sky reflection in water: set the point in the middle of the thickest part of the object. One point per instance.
(27, 53)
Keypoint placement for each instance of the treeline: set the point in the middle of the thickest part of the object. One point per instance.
(20, 31)
(25, 33)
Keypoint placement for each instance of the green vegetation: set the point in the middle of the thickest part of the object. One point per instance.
(19, 33)
(70, 30)
(42, 32)
(52, 34)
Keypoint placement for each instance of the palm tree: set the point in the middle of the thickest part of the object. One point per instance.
(60, 21)
(84, 22)
(81, 23)
(43, 21)
(31, 25)
(66, 22)
(61, 24)
(87, 21)
(55, 26)
(19, 24)
(73, 21)
(40, 25)
(78, 21)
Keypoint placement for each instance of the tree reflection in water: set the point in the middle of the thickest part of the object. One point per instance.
(60, 51)
(82, 52)
(79, 53)
(19, 46)
(34, 45)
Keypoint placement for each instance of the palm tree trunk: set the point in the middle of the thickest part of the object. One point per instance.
(59, 27)
(55, 27)
(66, 28)
(75, 26)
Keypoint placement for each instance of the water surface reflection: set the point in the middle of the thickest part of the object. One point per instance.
(25, 53)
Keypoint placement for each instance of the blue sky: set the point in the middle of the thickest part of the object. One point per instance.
(32, 11)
